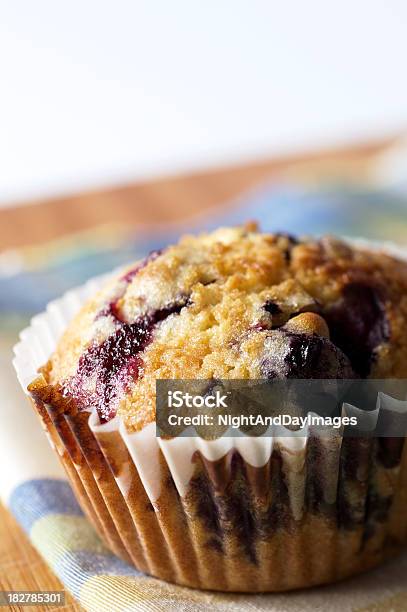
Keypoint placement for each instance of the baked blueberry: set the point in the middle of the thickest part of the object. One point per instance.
(275, 513)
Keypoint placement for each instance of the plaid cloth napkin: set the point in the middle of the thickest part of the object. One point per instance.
(34, 486)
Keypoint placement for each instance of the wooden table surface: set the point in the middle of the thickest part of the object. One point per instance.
(163, 200)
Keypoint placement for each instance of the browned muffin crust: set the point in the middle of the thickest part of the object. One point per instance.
(235, 303)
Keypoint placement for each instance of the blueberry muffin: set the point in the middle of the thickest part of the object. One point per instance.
(233, 304)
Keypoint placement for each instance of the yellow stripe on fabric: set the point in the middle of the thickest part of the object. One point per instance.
(144, 594)
(394, 603)
(126, 594)
(107, 236)
(56, 534)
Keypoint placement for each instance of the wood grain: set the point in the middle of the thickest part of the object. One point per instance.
(174, 198)
(164, 200)
(21, 567)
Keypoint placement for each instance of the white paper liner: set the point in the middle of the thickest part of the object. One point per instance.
(39, 340)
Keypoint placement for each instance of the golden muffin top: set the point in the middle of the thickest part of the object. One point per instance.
(232, 304)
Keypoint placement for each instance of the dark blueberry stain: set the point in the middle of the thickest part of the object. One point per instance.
(314, 491)
(376, 511)
(355, 462)
(359, 503)
(306, 356)
(251, 516)
(242, 508)
(112, 308)
(358, 325)
(239, 509)
(228, 512)
(128, 277)
(116, 361)
(378, 507)
(350, 514)
(390, 451)
(240, 512)
(215, 544)
(292, 242)
(272, 307)
(206, 507)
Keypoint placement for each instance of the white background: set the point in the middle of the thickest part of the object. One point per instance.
(94, 92)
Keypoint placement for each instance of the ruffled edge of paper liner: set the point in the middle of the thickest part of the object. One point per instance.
(180, 520)
(319, 501)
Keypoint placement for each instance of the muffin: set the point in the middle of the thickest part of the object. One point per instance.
(253, 515)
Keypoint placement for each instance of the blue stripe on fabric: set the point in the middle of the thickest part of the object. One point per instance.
(336, 210)
(76, 568)
(40, 497)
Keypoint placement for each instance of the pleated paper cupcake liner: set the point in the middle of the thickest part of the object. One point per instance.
(234, 514)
